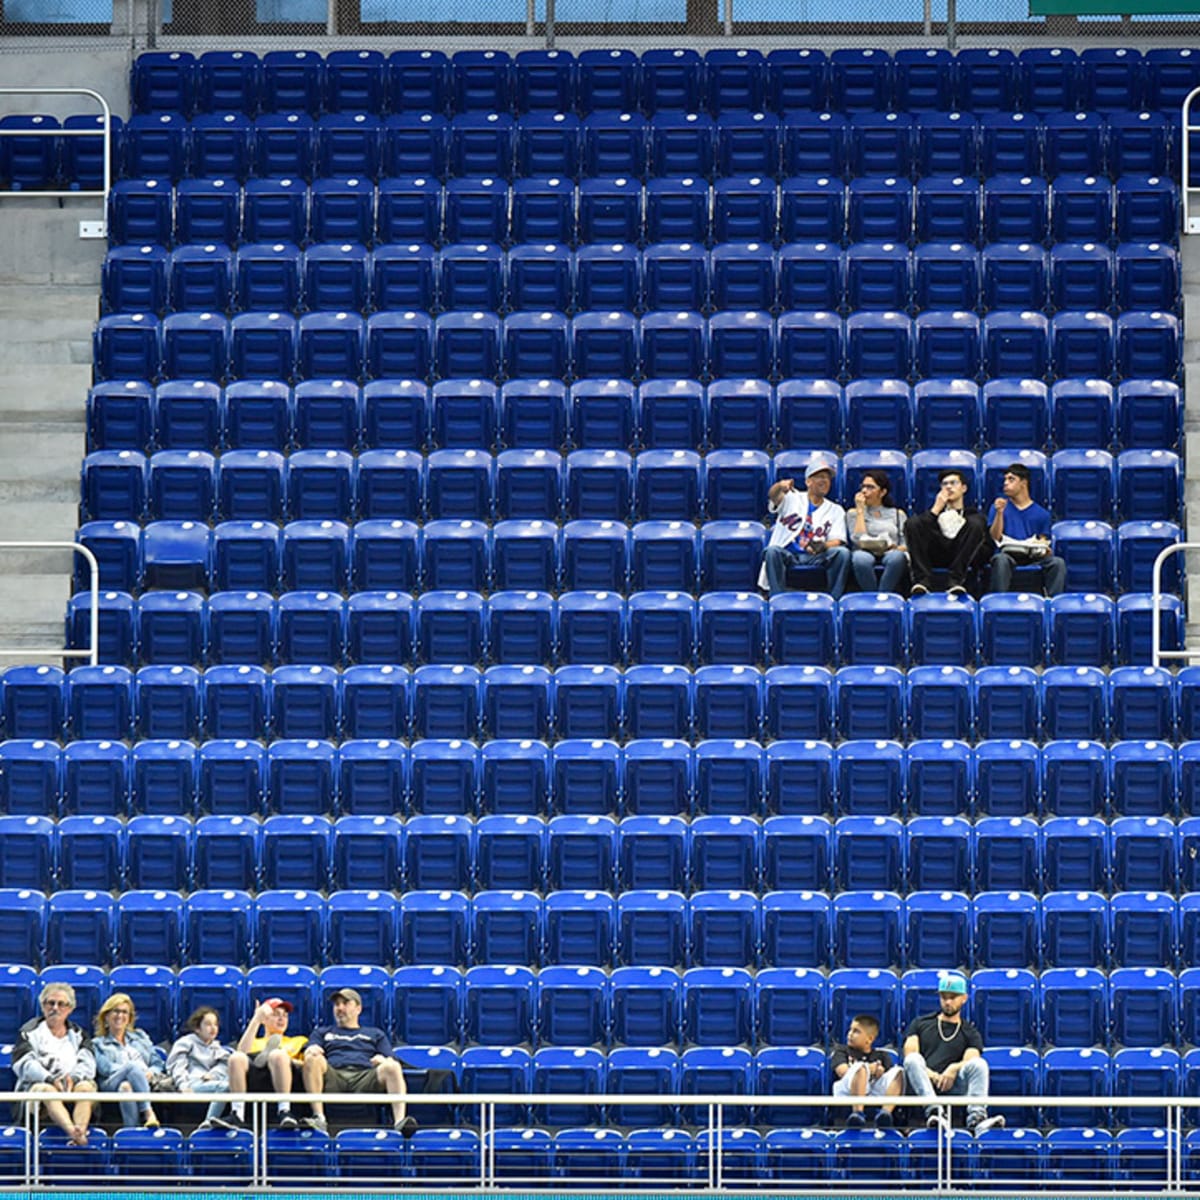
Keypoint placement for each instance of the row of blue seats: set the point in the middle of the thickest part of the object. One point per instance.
(584, 1006)
(794, 702)
(355, 144)
(536, 555)
(651, 927)
(663, 1158)
(1039, 79)
(618, 209)
(481, 345)
(613, 486)
(672, 276)
(931, 777)
(656, 1157)
(536, 414)
(1071, 855)
(580, 1006)
(321, 627)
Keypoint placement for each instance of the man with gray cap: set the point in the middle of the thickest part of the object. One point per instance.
(351, 1058)
(944, 1053)
(810, 530)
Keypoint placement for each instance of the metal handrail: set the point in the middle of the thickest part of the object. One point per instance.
(1190, 224)
(711, 1172)
(92, 653)
(106, 133)
(1157, 653)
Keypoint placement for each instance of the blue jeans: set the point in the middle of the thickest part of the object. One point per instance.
(895, 568)
(217, 1107)
(971, 1081)
(1054, 574)
(835, 560)
(134, 1074)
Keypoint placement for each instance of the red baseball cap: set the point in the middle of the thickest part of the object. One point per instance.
(276, 1002)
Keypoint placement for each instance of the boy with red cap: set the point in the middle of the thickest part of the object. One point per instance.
(266, 1060)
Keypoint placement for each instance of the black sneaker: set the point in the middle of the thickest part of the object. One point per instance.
(957, 591)
(232, 1121)
(883, 1120)
(855, 1121)
(407, 1127)
(918, 589)
(287, 1121)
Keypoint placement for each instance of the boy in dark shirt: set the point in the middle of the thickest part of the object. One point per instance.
(944, 1053)
(860, 1070)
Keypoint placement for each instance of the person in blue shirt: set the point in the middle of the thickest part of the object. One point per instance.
(349, 1057)
(1020, 529)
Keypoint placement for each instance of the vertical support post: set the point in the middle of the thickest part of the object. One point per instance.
(929, 18)
(728, 10)
(331, 21)
(952, 24)
(549, 24)
(530, 18)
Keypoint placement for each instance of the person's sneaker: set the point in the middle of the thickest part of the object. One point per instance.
(205, 1126)
(231, 1121)
(937, 1120)
(855, 1121)
(883, 1120)
(317, 1123)
(287, 1121)
(918, 589)
(982, 1126)
(407, 1127)
(956, 591)
(272, 1043)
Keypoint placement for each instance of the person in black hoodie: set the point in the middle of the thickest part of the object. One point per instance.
(53, 1058)
(950, 534)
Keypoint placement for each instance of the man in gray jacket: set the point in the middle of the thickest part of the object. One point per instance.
(53, 1058)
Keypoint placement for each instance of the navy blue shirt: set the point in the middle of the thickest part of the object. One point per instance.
(351, 1049)
(1022, 523)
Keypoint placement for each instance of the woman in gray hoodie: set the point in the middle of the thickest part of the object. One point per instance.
(199, 1063)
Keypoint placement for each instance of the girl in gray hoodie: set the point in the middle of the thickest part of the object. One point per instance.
(199, 1063)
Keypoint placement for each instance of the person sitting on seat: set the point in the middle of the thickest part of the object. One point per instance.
(810, 530)
(349, 1057)
(877, 535)
(198, 1063)
(1020, 528)
(127, 1060)
(266, 1060)
(950, 534)
(860, 1070)
(53, 1058)
(944, 1053)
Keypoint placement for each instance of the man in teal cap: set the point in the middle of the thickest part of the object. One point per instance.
(943, 1053)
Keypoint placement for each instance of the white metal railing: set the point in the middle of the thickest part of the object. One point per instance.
(487, 1158)
(105, 132)
(1157, 654)
(1190, 224)
(92, 651)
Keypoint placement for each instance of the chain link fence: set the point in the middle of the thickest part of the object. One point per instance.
(201, 24)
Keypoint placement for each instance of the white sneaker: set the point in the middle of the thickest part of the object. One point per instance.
(937, 1120)
(987, 1123)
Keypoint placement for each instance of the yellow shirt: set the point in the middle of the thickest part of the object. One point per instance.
(293, 1045)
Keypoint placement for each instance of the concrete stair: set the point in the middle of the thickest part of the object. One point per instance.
(48, 304)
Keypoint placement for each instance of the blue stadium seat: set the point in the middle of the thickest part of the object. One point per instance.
(139, 211)
(1081, 275)
(1147, 277)
(864, 845)
(445, 777)
(880, 210)
(1147, 209)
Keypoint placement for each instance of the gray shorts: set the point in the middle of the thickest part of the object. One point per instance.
(352, 1080)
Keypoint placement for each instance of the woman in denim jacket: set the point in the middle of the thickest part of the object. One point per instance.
(126, 1059)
